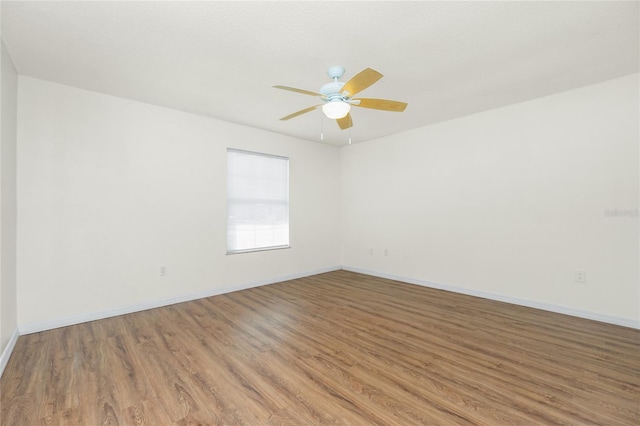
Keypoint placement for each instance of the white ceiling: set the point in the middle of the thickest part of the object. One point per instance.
(220, 59)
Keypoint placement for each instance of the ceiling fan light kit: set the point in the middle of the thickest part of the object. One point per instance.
(336, 109)
(337, 97)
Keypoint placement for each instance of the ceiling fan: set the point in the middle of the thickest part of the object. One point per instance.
(338, 97)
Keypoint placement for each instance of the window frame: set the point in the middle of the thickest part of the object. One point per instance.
(288, 203)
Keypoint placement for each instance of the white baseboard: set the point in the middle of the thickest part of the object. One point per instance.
(8, 350)
(498, 297)
(78, 319)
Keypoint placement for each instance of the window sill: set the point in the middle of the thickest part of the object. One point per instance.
(258, 249)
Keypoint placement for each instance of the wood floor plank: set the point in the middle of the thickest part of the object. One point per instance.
(339, 348)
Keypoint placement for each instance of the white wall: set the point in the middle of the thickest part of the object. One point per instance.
(111, 189)
(508, 202)
(505, 203)
(8, 125)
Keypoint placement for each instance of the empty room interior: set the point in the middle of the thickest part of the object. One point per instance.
(310, 213)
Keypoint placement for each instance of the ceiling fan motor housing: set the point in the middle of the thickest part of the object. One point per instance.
(332, 90)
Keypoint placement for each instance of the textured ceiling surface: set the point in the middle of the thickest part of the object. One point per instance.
(221, 59)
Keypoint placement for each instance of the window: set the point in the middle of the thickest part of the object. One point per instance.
(257, 201)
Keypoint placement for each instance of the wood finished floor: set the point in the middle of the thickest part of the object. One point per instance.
(338, 348)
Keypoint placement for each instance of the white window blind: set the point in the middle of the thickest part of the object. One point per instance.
(257, 201)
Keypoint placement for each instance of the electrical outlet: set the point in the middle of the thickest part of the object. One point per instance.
(581, 276)
(163, 271)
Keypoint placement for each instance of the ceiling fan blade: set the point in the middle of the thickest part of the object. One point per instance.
(302, 111)
(345, 122)
(361, 81)
(383, 104)
(293, 89)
